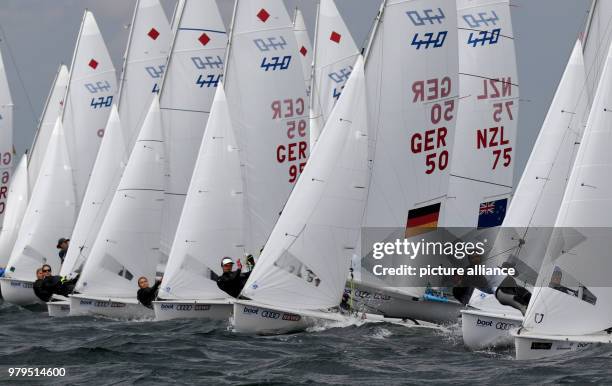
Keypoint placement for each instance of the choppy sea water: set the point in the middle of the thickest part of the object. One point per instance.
(109, 352)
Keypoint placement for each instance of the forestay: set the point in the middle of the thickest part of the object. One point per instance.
(335, 54)
(50, 214)
(265, 90)
(306, 260)
(195, 68)
(105, 177)
(303, 45)
(16, 205)
(145, 60)
(579, 251)
(537, 199)
(90, 94)
(484, 150)
(212, 219)
(53, 109)
(127, 245)
(7, 150)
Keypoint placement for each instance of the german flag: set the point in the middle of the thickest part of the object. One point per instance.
(421, 220)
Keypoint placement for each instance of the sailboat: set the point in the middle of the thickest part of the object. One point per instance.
(303, 45)
(526, 229)
(127, 245)
(26, 173)
(194, 70)
(412, 95)
(87, 102)
(52, 209)
(7, 151)
(335, 54)
(302, 270)
(143, 68)
(570, 306)
(210, 226)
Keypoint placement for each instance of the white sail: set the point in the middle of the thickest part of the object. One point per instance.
(194, 71)
(335, 53)
(144, 65)
(105, 177)
(53, 109)
(89, 98)
(269, 106)
(538, 195)
(596, 40)
(127, 244)
(412, 81)
(305, 262)
(50, 214)
(7, 149)
(303, 45)
(145, 62)
(16, 205)
(212, 219)
(484, 150)
(578, 253)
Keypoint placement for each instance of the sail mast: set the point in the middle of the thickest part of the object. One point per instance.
(374, 31)
(74, 54)
(229, 41)
(127, 53)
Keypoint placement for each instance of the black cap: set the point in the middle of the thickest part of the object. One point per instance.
(60, 241)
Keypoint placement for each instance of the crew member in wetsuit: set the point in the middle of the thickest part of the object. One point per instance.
(464, 287)
(62, 245)
(233, 282)
(146, 294)
(39, 291)
(555, 283)
(509, 293)
(50, 285)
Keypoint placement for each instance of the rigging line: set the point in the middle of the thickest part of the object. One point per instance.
(10, 52)
(486, 77)
(483, 181)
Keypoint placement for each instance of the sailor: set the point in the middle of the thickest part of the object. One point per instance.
(509, 293)
(233, 282)
(46, 285)
(62, 245)
(464, 285)
(146, 294)
(39, 291)
(555, 283)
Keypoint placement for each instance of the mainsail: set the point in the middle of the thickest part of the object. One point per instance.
(17, 203)
(195, 68)
(269, 107)
(335, 54)
(7, 150)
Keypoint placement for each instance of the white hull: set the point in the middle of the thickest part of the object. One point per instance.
(394, 304)
(487, 329)
(115, 308)
(253, 318)
(19, 292)
(59, 309)
(531, 346)
(193, 309)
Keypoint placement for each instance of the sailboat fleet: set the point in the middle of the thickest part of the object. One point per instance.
(251, 141)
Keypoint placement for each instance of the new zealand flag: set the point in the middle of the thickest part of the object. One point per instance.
(492, 213)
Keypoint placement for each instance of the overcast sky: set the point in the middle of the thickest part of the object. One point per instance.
(38, 35)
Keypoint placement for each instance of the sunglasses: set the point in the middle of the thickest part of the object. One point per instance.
(46, 270)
